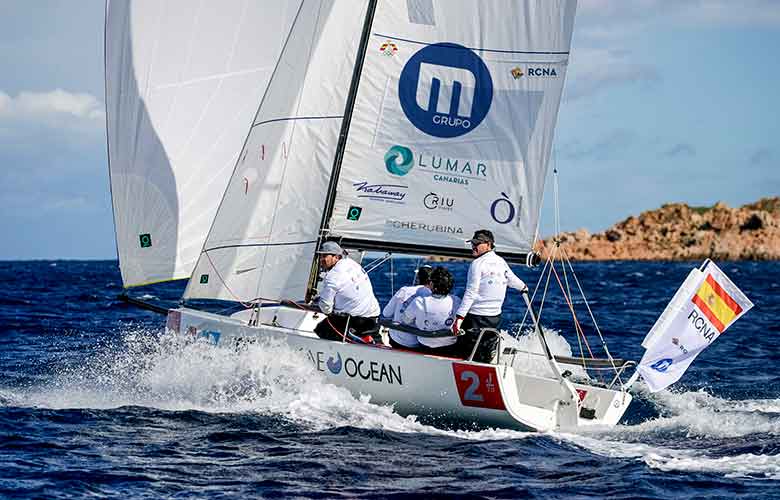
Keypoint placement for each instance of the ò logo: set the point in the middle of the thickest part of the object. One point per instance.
(146, 240)
(354, 213)
(204, 279)
(445, 90)
(503, 210)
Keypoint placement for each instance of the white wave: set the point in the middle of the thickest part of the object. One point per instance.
(171, 372)
(699, 413)
(531, 358)
(671, 459)
(691, 418)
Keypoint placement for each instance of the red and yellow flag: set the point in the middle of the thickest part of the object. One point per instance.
(716, 304)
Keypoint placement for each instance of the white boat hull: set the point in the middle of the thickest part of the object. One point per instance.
(470, 393)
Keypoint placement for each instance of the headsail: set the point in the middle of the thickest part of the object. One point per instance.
(266, 228)
(453, 123)
(183, 80)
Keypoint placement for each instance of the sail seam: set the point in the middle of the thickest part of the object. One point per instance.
(481, 49)
(260, 245)
(297, 118)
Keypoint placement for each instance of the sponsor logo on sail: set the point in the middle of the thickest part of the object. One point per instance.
(391, 193)
(433, 201)
(145, 240)
(445, 90)
(504, 211)
(354, 213)
(531, 71)
(547, 71)
(388, 48)
(453, 170)
(399, 160)
(400, 225)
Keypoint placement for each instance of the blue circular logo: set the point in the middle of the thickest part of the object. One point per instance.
(445, 90)
(399, 160)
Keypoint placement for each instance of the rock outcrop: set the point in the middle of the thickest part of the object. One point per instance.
(679, 232)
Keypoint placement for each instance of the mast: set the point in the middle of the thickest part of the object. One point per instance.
(334, 176)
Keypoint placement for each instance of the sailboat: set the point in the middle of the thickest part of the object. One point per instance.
(398, 126)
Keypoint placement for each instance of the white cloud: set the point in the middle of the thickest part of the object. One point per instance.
(593, 69)
(55, 108)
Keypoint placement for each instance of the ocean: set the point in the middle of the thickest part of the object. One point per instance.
(97, 400)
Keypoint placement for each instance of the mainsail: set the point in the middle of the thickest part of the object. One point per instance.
(453, 124)
(183, 80)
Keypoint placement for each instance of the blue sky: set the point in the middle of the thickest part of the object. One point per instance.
(666, 101)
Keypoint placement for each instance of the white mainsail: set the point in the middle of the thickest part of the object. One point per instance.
(453, 123)
(183, 80)
(265, 231)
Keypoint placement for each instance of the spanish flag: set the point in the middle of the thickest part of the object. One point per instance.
(716, 304)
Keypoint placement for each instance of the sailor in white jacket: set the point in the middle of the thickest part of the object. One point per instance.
(435, 312)
(400, 301)
(486, 283)
(346, 295)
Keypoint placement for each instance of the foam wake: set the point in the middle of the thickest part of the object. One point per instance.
(174, 372)
(696, 431)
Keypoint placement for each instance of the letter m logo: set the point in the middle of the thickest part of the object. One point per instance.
(440, 89)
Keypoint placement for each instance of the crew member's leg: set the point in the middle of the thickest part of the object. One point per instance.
(472, 324)
(332, 327)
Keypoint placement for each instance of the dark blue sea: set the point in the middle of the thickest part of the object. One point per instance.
(96, 400)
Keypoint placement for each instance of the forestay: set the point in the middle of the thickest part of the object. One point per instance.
(183, 80)
(266, 228)
(453, 122)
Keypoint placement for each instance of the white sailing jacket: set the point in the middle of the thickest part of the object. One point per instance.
(431, 313)
(486, 285)
(347, 289)
(396, 307)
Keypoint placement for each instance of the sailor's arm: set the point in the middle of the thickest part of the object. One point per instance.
(514, 282)
(472, 289)
(389, 309)
(327, 296)
(413, 311)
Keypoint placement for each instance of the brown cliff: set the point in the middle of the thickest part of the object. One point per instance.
(679, 232)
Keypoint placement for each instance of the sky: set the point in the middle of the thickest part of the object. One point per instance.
(665, 101)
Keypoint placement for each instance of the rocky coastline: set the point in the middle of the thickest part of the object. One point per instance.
(680, 232)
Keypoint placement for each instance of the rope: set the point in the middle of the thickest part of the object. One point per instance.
(595, 324)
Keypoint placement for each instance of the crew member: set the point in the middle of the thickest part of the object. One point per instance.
(400, 301)
(346, 295)
(486, 284)
(435, 312)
